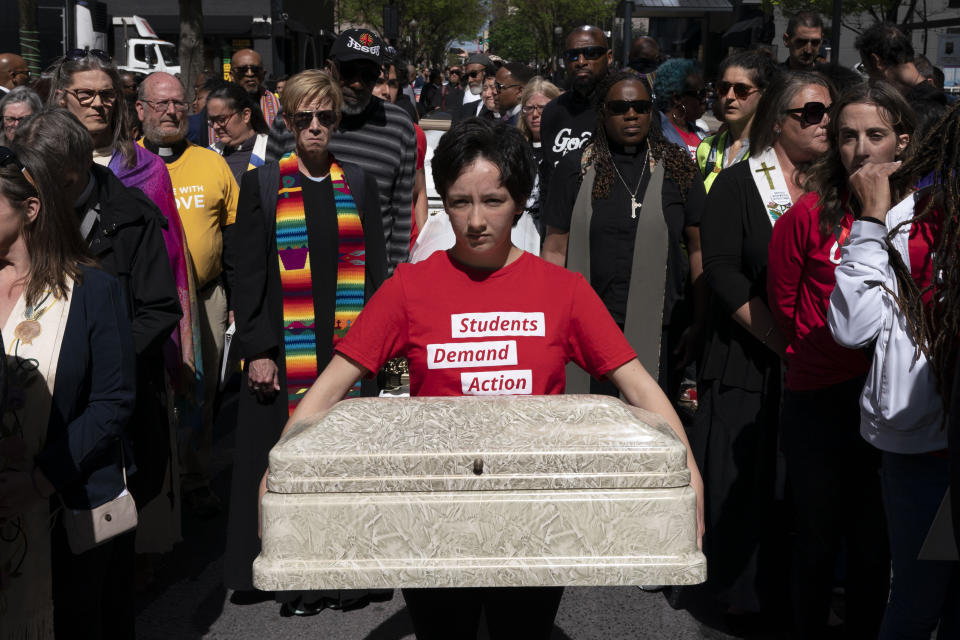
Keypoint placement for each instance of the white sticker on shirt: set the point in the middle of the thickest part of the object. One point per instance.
(497, 383)
(460, 355)
(497, 324)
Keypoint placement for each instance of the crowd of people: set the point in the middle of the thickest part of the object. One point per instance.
(788, 269)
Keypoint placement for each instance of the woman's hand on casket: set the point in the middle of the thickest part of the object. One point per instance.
(642, 391)
(263, 376)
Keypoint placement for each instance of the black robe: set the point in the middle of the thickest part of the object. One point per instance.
(258, 310)
(735, 431)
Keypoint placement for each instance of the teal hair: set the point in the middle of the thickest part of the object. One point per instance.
(671, 78)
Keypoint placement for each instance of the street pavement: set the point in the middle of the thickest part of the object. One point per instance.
(188, 600)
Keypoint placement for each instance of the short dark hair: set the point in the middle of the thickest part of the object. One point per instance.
(400, 67)
(809, 19)
(238, 99)
(501, 144)
(889, 44)
(520, 71)
(761, 67)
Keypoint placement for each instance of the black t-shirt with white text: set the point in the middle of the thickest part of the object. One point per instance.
(567, 124)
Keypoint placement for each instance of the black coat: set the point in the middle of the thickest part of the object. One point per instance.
(258, 309)
(93, 395)
(129, 245)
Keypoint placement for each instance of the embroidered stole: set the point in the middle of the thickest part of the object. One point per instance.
(643, 323)
(767, 175)
(33, 337)
(293, 251)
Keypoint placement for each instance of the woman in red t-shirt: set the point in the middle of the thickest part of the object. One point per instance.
(832, 472)
(486, 318)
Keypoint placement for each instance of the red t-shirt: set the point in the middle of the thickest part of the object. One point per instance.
(800, 279)
(471, 332)
(921, 245)
(693, 140)
(421, 156)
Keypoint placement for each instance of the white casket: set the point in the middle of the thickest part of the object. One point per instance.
(468, 492)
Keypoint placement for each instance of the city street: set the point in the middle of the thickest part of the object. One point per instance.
(190, 602)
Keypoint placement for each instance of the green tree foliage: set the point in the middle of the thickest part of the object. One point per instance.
(427, 27)
(859, 14)
(524, 25)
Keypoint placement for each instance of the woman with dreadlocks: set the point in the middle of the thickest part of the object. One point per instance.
(620, 214)
(734, 432)
(832, 473)
(898, 292)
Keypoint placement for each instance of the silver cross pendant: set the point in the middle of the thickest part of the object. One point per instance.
(634, 206)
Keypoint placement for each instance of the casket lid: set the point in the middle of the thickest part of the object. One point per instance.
(468, 444)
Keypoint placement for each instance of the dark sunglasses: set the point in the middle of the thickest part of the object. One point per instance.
(502, 87)
(80, 54)
(740, 89)
(622, 107)
(303, 119)
(474, 73)
(811, 113)
(803, 42)
(367, 72)
(244, 69)
(7, 156)
(588, 53)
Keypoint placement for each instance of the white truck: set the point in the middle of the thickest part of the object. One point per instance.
(137, 47)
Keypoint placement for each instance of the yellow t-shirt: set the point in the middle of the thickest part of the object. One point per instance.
(206, 194)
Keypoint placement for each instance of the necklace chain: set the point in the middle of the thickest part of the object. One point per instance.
(646, 163)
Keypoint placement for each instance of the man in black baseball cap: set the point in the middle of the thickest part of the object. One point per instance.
(356, 57)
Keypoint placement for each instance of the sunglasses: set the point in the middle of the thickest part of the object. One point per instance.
(740, 89)
(7, 156)
(588, 53)
(622, 107)
(811, 113)
(86, 96)
(80, 54)
(475, 73)
(246, 69)
(803, 42)
(501, 87)
(303, 119)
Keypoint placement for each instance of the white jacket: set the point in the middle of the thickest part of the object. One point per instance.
(900, 409)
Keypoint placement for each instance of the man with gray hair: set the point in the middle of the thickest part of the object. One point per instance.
(206, 195)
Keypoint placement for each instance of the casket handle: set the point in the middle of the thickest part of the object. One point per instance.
(478, 466)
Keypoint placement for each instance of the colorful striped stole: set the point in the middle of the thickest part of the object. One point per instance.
(293, 252)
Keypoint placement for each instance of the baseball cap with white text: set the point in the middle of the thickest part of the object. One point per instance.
(357, 44)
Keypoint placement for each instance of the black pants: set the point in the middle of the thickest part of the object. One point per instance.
(524, 613)
(93, 592)
(833, 476)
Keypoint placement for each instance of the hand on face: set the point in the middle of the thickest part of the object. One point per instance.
(865, 136)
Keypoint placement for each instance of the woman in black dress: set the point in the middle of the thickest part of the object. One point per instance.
(735, 429)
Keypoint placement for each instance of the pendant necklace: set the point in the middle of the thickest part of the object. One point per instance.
(634, 205)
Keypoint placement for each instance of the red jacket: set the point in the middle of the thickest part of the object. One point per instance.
(800, 279)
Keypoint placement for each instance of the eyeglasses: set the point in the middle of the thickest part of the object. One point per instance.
(80, 54)
(7, 156)
(501, 87)
(86, 96)
(811, 113)
(475, 73)
(588, 53)
(303, 119)
(803, 42)
(246, 69)
(20, 72)
(220, 121)
(622, 107)
(740, 89)
(161, 106)
(12, 121)
(533, 107)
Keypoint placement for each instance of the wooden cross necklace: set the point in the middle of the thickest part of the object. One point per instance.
(634, 205)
